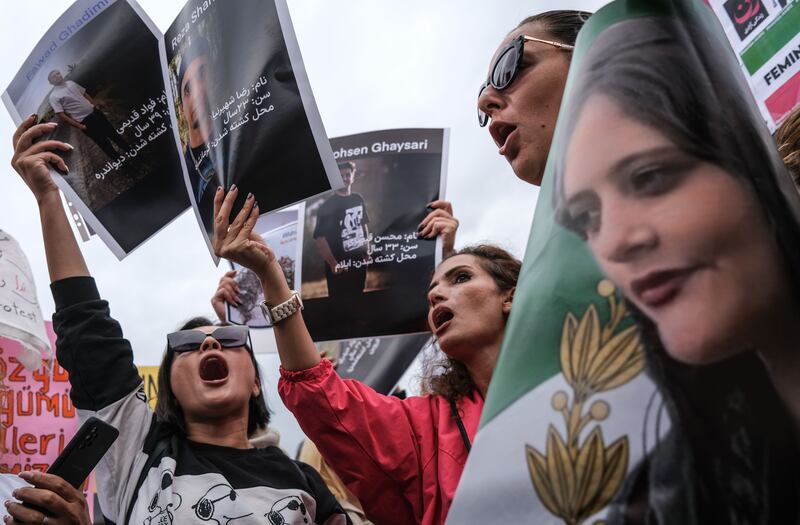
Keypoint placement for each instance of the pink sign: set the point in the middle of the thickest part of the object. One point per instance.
(37, 418)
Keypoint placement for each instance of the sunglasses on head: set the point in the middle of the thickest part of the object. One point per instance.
(191, 340)
(506, 67)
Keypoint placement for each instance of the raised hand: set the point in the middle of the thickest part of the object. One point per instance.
(440, 221)
(227, 292)
(33, 161)
(237, 241)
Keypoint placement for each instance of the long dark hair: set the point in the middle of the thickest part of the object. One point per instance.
(731, 456)
(442, 375)
(169, 410)
(562, 25)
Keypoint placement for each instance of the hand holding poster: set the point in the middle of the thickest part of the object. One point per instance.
(96, 75)
(20, 313)
(245, 112)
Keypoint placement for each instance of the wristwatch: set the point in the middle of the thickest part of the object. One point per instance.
(276, 314)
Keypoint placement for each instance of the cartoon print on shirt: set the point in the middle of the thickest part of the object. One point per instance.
(212, 506)
(163, 515)
(289, 507)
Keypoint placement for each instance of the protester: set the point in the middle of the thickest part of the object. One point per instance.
(401, 458)
(192, 459)
(788, 139)
(670, 176)
(522, 95)
(62, 503)
(75, 107)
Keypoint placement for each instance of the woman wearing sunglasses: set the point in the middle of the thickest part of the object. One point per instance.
(401, 458)
(191, 461)
(522, 94)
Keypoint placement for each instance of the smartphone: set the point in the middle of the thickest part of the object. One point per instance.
(84, 451)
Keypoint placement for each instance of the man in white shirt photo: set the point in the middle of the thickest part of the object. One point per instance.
(75, 107)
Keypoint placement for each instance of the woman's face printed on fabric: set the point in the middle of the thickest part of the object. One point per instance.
(686, 241)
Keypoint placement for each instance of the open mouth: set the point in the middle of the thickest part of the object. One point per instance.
(500, 132)
(213, 368)
(441, 317)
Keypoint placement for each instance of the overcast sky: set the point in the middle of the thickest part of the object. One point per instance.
(373, 64)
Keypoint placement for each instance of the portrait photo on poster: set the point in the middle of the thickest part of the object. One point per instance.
(361, 255)
(243, 109)
(96, 75)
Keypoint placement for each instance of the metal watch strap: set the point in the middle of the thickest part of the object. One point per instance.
(278, 313)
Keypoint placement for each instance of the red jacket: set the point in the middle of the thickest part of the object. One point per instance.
(401, 458)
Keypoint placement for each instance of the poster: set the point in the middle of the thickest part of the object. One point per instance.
(244, 112)
(20, 313)
(765, 35)
(37, 417)
(96, 74)
(149, 375)
(364, 271)
(378, 362)
(627, 390)
(279, 231)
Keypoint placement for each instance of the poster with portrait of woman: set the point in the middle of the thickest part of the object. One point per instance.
(645, 371)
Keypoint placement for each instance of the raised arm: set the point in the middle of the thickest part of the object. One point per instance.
(239, 243)
(32, 162)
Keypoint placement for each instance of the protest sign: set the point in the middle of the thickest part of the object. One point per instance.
(378, 362)
(20, 313)
(765, 35)
(242, 107)
(364, 271)
(149, 375)
(279, 231)
(96, 73)
(37, 418)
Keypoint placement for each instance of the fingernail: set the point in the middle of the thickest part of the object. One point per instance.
(419, 228)
(249, 196)
(233, 187)
(7, 502)
(26, 475)
(33, 115)
(70, 146)
(429, 207)
(219, 189)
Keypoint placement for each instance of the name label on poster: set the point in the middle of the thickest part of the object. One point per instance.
(784, 63)
(381, 147)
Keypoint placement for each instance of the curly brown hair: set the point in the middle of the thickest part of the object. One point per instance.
(442, 375)
(788, 139)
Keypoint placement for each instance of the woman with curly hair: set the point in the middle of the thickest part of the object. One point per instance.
(401, 458)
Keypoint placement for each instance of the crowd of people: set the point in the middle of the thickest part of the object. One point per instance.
(400, 460)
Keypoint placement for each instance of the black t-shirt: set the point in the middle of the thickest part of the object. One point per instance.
(184, 481)
(341, 220)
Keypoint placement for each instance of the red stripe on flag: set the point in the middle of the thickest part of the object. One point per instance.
(785, 99)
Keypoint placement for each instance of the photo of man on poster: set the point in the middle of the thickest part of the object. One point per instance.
(192, 77)
(342, 238)
(73, 106)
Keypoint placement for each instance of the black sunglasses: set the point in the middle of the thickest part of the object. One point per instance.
(506, 67)
(191, 340)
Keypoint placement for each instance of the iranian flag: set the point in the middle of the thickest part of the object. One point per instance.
(570, 411)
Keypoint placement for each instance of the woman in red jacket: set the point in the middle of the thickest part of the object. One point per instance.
(401, 458)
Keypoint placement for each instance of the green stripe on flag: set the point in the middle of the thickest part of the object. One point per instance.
(773, 39)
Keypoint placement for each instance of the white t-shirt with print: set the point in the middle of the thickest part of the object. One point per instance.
(68, 98)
